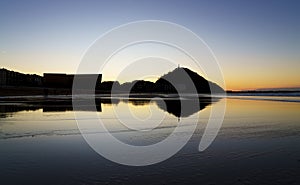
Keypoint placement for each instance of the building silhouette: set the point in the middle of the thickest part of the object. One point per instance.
(12, 78)
(62, 80)
(48, 80)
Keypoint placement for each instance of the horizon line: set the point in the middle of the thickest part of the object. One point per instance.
(281, 88)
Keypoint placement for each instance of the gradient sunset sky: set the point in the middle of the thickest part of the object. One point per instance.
(257, 43)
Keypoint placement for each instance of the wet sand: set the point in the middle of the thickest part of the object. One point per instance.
(257, 144)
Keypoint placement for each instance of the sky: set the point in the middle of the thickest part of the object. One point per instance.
(257, 43)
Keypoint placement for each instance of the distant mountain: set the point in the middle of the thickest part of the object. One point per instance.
(180, 80)
(279, 89)
(185, 81)
(139, 86)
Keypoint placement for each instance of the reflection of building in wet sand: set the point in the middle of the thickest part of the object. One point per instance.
(47, 105)
(66, 105)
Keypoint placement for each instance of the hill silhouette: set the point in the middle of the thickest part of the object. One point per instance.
(180, 80)
(186, 81)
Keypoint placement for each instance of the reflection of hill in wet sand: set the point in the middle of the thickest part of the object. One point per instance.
(175, 106)
(184, 108)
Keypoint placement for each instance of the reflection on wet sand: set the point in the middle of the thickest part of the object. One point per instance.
(47, 105)
(257, 143)
(186, 107)
(174, 106)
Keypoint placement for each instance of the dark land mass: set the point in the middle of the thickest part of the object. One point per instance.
(288, 93)
(178, 81)
(262, 92)
(186, 81)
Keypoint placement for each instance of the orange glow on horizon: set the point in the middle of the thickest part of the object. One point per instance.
(232, 83)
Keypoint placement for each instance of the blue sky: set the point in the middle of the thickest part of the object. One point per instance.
(258, 40)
